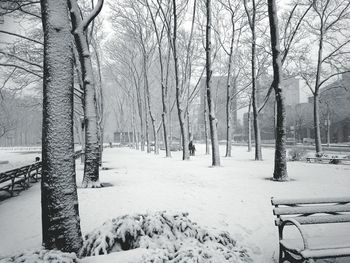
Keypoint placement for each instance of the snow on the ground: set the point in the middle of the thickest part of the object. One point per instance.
(16, 159)
(234, 197)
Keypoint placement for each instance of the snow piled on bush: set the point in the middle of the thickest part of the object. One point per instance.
(42, 256)
(169, 238)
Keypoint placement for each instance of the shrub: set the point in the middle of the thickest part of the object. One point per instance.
(42, 256)
(170, 238)
(296, 154)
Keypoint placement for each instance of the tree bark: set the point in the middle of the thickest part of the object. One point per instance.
(212, 119)
(280, 170)
(59, 200)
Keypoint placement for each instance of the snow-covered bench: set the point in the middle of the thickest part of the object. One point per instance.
(312, 211)
(334, 159)
(19, 177)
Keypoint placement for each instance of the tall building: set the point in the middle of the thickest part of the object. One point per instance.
(295, 91)
(219, 94)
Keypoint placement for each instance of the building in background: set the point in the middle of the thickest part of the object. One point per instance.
(219, 93)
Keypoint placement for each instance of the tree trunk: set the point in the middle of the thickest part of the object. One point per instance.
(257, 138)
(317, 124)
(59, 200)
(139, 105)
(183, 129)
(147, 123)
(163, 87)
(91, 167)
(280, 171)
(249, 127)
(317, 129)
(228, 96)
(206, 126)
(212, 119)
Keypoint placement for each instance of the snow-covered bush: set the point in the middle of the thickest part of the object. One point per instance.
(42, 256)
(171, 238)
(296, 154)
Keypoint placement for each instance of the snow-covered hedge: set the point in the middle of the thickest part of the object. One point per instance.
(42, 256)
(170, 238)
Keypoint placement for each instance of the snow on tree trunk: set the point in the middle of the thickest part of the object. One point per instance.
(92, 151)
(180, 113)
(280, 171)
(212, 119)
(206, 128)
(59, 200)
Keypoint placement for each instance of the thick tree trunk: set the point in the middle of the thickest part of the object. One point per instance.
(92, 151)
(59, 200)
(183, 129)
(212, 119)
(280, 170)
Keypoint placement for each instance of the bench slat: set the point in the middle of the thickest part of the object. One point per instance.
(311, 209)
(326, 253)
(290, 201)
(309, 220)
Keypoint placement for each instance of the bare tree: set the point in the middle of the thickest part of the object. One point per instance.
(80, 31)
(59, 200)
(251, 15)
(280, 171)
(212, 118)
(328, 23)
(164, 87)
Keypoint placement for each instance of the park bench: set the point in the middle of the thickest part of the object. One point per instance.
(22, 176)
(19, 177)
(334, 159)
(312, 211)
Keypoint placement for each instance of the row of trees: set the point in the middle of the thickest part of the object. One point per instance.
(160, 51)
(58, 55)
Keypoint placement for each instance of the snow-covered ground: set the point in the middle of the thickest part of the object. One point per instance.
(234, 197)
(11, 159)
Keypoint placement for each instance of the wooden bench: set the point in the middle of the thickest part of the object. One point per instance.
(19, 177)
(328, 159)
(312, 211)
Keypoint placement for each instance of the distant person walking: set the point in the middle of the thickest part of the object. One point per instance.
(192, 148)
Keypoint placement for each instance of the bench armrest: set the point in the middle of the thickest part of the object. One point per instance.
(299, 227)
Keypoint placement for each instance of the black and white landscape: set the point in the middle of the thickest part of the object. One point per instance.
(174, 131)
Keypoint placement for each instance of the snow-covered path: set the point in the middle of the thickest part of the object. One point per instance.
(234, 197)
